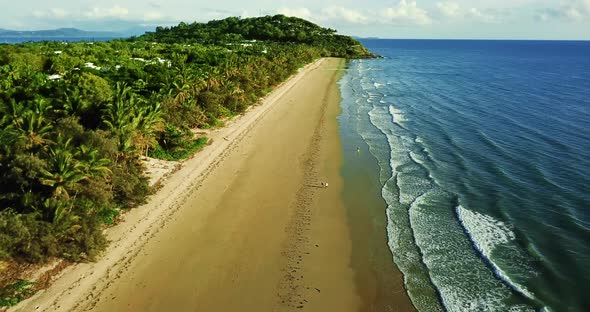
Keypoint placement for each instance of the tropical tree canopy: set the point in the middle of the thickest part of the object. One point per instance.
(76, 117)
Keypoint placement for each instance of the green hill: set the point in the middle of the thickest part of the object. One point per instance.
(277, 28)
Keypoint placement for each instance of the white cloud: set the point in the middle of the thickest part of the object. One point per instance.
(573, 10)
(347, 15)
(101, 13)
(55, 13)
(297, 12)
(577, 9)
(406, 12)
(246, 13)
(480, 16)
(454, 11)
(449, 9)
(130, 20)
(334, 13)
(152, 16)
(59, 13)
(447, 18)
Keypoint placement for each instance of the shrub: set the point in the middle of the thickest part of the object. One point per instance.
(130, 187)
(24, 236)
(179, 153)
(14, 293)
(109, 215)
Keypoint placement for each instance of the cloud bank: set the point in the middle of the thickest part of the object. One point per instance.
(573, 10)
(403, 13)
(386, 18)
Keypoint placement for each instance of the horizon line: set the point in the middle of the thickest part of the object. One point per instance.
(467, 39)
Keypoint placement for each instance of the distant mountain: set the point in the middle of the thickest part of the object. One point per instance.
(361, 38)
(58, 33)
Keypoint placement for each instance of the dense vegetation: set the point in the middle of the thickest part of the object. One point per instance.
(278, 28)
(75, 118)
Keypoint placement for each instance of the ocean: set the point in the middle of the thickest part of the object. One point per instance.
(483, 154)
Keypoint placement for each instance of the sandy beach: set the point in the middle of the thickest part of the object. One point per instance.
(245, 225)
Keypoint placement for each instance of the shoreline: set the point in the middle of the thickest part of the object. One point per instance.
(380, 281)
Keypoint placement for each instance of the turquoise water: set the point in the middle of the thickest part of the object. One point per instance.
(484, 156)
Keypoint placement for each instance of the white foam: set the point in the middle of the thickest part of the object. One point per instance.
(417, 158)
(490, 231)
(463, 280)
(397, 115)
(406, 257)
(487, 234)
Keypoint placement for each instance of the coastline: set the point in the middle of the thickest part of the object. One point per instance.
(380, 282)
(244, 253)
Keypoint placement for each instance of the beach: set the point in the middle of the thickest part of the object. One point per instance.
(244, 225)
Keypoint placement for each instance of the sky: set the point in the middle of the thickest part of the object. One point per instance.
(433, 19)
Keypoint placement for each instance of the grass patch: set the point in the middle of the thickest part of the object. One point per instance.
(14, 293)
(178, 152)
(109, 216)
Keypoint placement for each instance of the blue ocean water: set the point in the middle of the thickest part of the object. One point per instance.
(484, 150)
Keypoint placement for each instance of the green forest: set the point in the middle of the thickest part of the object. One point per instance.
(75, 118)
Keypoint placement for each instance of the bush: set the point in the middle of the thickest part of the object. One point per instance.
(23, 236)
(130, 186)
(179, 153)
(75, 237)
(173, 137)
(14, 293)
(176, 144)
(84, 240)
(109, 216)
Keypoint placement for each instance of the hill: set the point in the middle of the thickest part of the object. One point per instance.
(277, 28)
(57, 33)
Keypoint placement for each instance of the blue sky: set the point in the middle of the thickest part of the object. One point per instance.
(487, 19)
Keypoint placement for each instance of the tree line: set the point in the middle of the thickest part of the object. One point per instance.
(76, 118)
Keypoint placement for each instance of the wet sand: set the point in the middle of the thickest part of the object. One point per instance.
(379, 282)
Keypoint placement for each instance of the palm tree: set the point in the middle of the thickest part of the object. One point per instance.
(212, 78)
(74, 103)
(11, 143)
(35, 129)
(57, 210)
(12, 113)
(147, 122)
(92, 165)
(118, 116)
(182, 92)
(63, 171)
